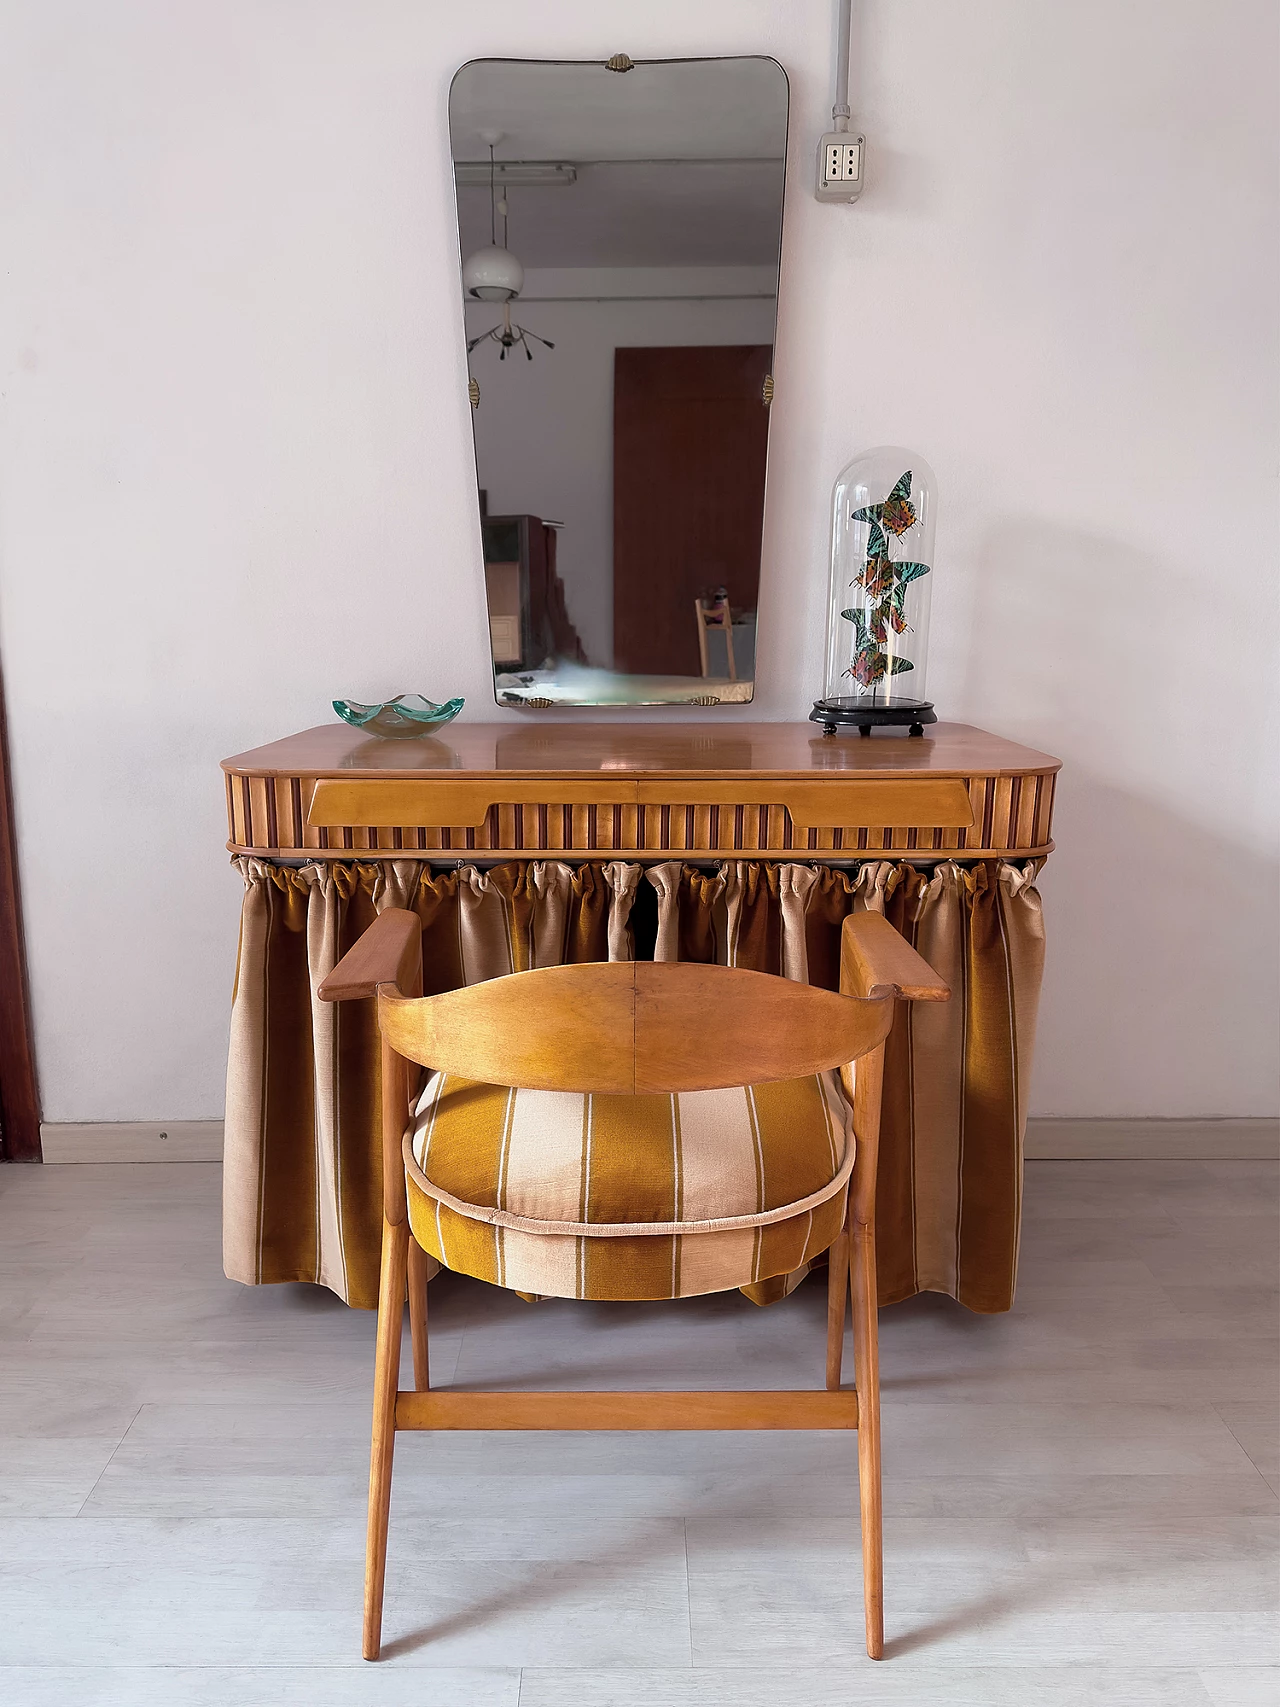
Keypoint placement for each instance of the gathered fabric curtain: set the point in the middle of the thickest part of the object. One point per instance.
(302, 1175)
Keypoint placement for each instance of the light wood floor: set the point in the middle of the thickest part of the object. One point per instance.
(1080, 1497)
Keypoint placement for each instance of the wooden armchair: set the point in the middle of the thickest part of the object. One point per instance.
(631, 1130)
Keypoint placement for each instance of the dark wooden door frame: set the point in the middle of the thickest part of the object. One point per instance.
(19, 1099)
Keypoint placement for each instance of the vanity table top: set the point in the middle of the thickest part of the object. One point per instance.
(791, 750)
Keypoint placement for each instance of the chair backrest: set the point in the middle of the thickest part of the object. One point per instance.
(633, 1026)
(715, 613)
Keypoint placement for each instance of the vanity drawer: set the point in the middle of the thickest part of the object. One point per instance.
(931, 803)
(629, 814)
(339, 800)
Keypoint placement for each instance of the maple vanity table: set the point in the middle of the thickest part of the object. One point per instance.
(530, 846)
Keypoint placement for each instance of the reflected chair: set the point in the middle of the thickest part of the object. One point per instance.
(715, 613)
(630, 1130)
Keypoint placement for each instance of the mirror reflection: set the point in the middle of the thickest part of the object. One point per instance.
(620, 233)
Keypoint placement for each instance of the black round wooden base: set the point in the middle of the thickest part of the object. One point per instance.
(851, 713)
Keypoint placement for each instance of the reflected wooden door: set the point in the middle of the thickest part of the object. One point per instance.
(690, 434)
(19, 1107)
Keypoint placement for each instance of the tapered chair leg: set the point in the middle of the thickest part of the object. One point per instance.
(386, 1379)
(837, 1306)
(418, 1315)
(866, 1363)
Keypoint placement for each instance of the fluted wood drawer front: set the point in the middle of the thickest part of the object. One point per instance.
(338, 801)
(932, 803)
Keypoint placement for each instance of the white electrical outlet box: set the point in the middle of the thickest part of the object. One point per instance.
(840, 159)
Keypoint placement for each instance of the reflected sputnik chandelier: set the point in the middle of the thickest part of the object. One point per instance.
(493, 274)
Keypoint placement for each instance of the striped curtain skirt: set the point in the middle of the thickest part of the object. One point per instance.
(302, 1175)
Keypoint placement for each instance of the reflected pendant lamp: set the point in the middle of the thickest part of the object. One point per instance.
(494, 274)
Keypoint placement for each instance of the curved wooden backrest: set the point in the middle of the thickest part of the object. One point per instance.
(628, 1026)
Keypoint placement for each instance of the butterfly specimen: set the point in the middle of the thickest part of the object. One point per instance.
(884, 583)
(897, 513)
(886, 616)
(876, 574)
(870, 664)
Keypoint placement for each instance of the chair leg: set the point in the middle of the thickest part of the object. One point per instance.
(386, 1379)
(866, 1363)
(837, 1305)
(418, 1315)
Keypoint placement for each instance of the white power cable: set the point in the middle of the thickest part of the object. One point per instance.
(840, 111)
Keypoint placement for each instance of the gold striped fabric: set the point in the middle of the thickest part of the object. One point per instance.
(302, 1180)
(302, 1170)
(628, 1197)
(949, 1191)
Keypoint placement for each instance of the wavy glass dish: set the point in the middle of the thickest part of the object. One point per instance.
(406, 714)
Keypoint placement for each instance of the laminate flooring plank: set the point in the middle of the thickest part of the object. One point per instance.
(842, 1683)
(1051, 1615)
(1155, 1503)
(612, 1611)
(1122, 1190)
(1242, 1686)
(1257, 1427)
(1248, 1309)
(50, 1477)
(266, 1685)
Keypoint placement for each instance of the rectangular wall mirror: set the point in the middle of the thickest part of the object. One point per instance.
(620, 227)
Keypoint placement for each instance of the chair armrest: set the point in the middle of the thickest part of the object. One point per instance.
(389, 952)
(877, 961)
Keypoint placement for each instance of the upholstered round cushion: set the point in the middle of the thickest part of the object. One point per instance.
(628, 1197)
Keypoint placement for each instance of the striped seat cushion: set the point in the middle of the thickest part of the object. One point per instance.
(628, 1197)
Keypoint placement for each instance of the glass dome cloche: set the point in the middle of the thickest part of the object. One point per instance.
(881, 567)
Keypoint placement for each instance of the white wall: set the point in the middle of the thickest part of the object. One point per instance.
(544, 429)
(237, 463)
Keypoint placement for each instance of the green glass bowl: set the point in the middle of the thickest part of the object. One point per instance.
(406, 714)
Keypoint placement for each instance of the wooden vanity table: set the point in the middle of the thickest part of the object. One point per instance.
(529, 845)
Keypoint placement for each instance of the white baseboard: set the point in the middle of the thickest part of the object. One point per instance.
(1152, 1140)
(133, 1141)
